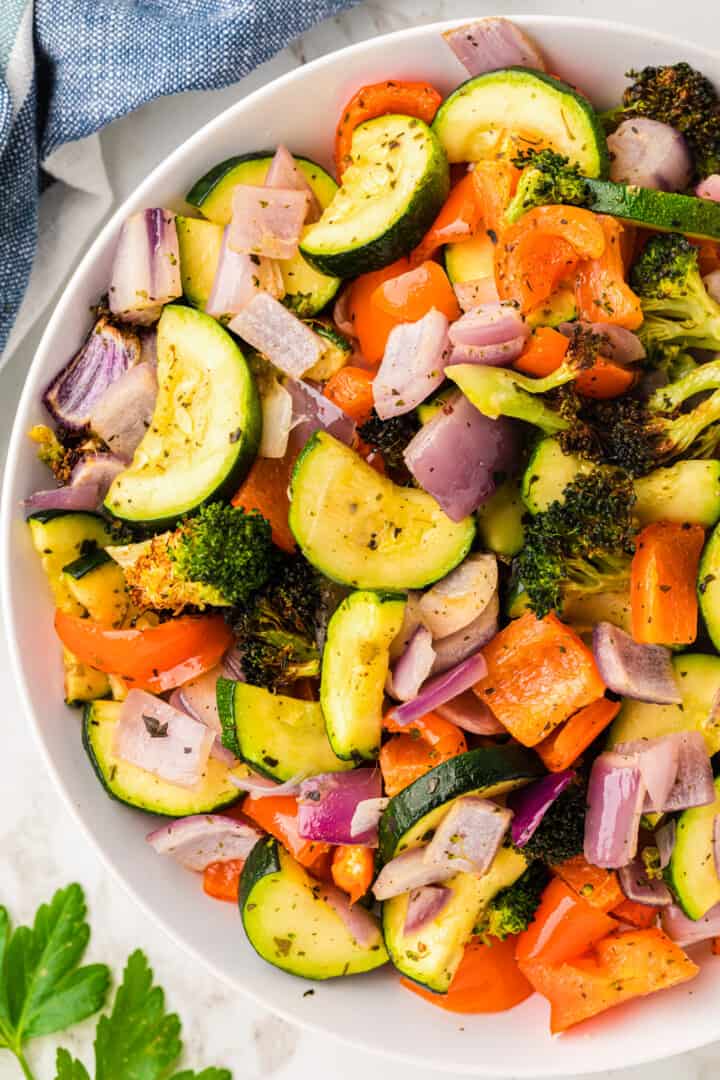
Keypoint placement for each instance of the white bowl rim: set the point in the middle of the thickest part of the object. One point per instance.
(7, 511)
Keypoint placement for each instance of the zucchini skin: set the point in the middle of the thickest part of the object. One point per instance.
(200, 190)
(662, 210)
(262, 860)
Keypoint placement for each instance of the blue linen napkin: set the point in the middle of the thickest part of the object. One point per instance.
(68, 67)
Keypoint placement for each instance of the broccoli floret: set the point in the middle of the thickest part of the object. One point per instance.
(276, 628)
(583, 543)
(547, 178)
(677, 308)
(561, 833)
(512, 910)
(390, 437)
(217, 557)
(685, 99)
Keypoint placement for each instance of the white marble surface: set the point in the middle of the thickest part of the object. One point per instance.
(40, 846)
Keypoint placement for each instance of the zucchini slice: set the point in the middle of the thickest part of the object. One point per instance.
(290, 924)
(548, 473)
(431, 956)
(662, 210)
(412, 815)
(500, 521)
(360, 529)
(336, 354)
(134, 786)
(82, 683)
(61, 536)
(708, 587)
(356, 661)
(698, 677)
(688, 491)
(199, 244)
(470, 260)
(307, 291)
(692, 872)
(501, 112)
(205, 430)
(278, 736)
(98, 584)
(390, 195)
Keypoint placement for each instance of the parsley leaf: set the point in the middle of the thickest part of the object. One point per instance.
(206, 1074)
(69, 1068)
(42, 988)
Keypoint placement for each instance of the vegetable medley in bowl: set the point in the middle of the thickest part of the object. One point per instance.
(385, 548)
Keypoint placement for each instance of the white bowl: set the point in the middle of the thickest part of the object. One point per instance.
(371, 1012)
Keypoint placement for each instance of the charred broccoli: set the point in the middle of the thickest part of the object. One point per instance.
(276, 627)
(390, 437)
(511, 911)
(583, 543)
(561, 833)
(547, 178)
(677, 308)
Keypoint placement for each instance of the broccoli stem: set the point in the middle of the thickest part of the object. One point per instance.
(668, 398)
(498, 392)
(681, 433)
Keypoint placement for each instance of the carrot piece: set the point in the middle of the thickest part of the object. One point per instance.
(459, 220)
(599, 887)
(601, 292)
(353, 869)
(716, 946)
(221, 880)
(351, 389)
(708, 255)
(663, 599)
(392, 96)
(567, 742)
(372, 325)
(411, 295)
(487, 981)
(544, 352)
(277, 815)
(265, 489)
(422, 745)
(641, 916)
(495, 182)
(565, 926)
(605, 380)
(622, 966)
(539, 673)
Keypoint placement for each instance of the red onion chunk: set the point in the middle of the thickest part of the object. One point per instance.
(471, 294)
(267, 221)
(492, 43)
(694, 785)
(366, 817)
(327, 803)
(637, 886)
(716, 843)
(412, 365)
(531, 803)
(284, 172)
(469, 836)
(619, 344)
(411, 620)
(70, 497)
(99, 469)
(261, 787)
(424, 906)
(357, 920)
(488, 324)
(452, 650)
(457, 600)
(197, 841)
(499, 355)
(442, 688)
(665, 841)
(413, 667)
(468, 712)
(199, 698)
(108, 352)
(341, 313)
(407, 871)
(455, 455)
(238, 278)
(162, 740)
(658, 761)
(277, 418)
(709, 188)
(312, 411)
(232, 664)
(649, 154)
(685, 931)
(712, 284)
(274, 331)
(615, 798)
(124, 412)
(642, 672)
(146, 270)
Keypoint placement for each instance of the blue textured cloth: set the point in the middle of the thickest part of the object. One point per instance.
(67, 67)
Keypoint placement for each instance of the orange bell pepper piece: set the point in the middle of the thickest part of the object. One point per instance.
(539, 673)
(621, 966)
(353, 869)
(716, 946)
(221, 880)
(663, 575)
(487, 981)
(545, 351)
(599, 887)
(265, 488)
(566, 743)
(372, 325)
(392, 96)
(565, 926)
(420, 747)
(277, 815)
(459, 220)
(351, 389)
(601, 292)
(411, 295)
(641, 916)
(495, 183)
